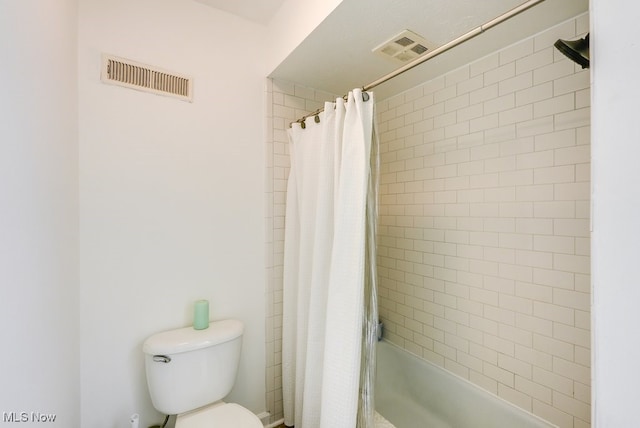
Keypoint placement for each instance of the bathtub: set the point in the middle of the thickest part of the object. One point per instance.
(415, 393)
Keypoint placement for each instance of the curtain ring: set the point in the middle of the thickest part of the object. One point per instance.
(365, 96)
(316, 119)
(302, 125)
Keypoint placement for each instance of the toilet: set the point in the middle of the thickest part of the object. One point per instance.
(190, 371)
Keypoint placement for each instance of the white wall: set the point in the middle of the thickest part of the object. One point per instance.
(293, 22)
(616, 212)
(171, 195)
(38, 215)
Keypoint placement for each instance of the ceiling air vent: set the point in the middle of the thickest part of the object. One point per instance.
(131, 74)
(404, 47)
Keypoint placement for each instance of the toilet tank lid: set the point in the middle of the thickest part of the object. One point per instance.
(188, 339)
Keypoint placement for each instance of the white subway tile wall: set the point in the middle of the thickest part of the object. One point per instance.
(285, 103)
(483, 239)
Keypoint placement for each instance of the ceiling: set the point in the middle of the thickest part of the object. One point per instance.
(260, 11)
(337, 57)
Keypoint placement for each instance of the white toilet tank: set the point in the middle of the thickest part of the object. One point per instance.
(188, 368)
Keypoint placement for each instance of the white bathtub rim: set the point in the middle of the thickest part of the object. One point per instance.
(468, 382)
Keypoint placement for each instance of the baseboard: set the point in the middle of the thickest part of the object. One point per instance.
(275, 424)
(264, 417)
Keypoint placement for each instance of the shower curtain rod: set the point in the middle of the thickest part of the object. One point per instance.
(455, 42)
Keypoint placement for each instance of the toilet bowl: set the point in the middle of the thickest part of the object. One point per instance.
(190, 371)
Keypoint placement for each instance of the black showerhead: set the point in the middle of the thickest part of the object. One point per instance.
(576, 50)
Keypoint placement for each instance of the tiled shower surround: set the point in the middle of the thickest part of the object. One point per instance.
(484, 225)
(483, 234)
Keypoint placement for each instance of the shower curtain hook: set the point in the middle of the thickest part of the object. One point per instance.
(316, 118)
(365, 94)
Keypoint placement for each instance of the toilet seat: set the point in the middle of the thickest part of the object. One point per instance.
(222, 415)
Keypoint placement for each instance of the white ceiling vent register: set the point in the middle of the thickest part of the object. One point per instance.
(131, 74)
(404, 47)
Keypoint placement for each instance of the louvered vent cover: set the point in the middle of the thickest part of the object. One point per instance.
(404, 47)
(131, 74)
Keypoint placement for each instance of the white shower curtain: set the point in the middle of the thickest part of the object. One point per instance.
(328, 196)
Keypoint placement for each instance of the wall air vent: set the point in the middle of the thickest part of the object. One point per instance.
(131, 74)
(404, 47)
